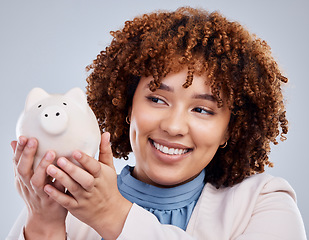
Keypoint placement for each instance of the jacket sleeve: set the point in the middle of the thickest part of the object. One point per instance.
(17, 229)
(141, 224)
(275, 215)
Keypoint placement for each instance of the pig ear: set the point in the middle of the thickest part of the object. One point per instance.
(79, 97)
(34, 96)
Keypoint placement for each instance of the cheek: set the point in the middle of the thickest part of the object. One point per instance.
(208, 134)
(142, 123)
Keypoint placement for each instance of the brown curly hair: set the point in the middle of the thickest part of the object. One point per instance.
(237, 64)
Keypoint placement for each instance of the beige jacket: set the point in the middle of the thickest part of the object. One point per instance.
(261, 207)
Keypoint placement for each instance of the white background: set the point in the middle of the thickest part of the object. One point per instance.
(49, 43)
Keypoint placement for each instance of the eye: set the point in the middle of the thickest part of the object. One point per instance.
(202, 111)
(39, 106)
(156, 100)
(64, 104)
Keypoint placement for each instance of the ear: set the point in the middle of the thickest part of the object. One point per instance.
(226, 137)
(34, 96)
(129, 113)
(78, 97)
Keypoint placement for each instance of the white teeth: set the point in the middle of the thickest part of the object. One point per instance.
(165, 150)
(171, 151)
(160, 148)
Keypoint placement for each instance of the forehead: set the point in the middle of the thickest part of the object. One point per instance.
(175, 81)
(199, 89)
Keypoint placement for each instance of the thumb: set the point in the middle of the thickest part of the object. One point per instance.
(106, 154)
(13, 145)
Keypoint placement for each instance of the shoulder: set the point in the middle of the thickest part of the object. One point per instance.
(263, 184)
(254, 186)
(257, 193)
(260, 201)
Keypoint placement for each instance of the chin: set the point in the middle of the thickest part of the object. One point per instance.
(166, 179)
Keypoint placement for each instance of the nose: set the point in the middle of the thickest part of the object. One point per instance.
(175, 122)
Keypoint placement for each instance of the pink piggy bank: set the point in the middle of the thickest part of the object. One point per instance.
(62, 123)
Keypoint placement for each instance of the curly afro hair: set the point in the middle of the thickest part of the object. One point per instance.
(238, 64)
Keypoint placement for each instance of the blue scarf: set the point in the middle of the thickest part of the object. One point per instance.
(172, 206)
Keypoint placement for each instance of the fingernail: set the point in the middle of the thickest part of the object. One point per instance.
(21, 141)
(77, 155)
(108, 136)
(62, 162)
(31, 143)
(51, 170)
(49, 156)
(48, 189)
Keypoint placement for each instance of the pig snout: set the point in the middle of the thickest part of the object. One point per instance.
(54, 120)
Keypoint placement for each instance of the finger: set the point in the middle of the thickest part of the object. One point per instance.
(106, 154)
(63, 199)
(19, 148)
(58, 186)
(79, 175)
(39, 178)
(13, 145)
(89, 163)
(22, 189)
(64, 179)
(24, 167)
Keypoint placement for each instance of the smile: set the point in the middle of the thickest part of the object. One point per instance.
(170, 151)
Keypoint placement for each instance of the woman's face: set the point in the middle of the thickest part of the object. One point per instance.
(175, 131)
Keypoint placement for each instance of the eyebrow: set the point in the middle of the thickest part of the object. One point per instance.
(164, 87)
(203, 96)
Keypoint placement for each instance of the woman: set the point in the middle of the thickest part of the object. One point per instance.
(198, 100)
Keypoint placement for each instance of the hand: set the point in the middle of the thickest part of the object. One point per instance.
(93, 195)
(42, 210)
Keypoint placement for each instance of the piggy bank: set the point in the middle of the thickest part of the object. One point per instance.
(62, 123)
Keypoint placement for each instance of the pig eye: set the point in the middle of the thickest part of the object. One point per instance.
(39, 106)
(64, 104)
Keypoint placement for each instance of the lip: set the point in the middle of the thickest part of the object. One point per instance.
(169, 144)
(167, 158)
